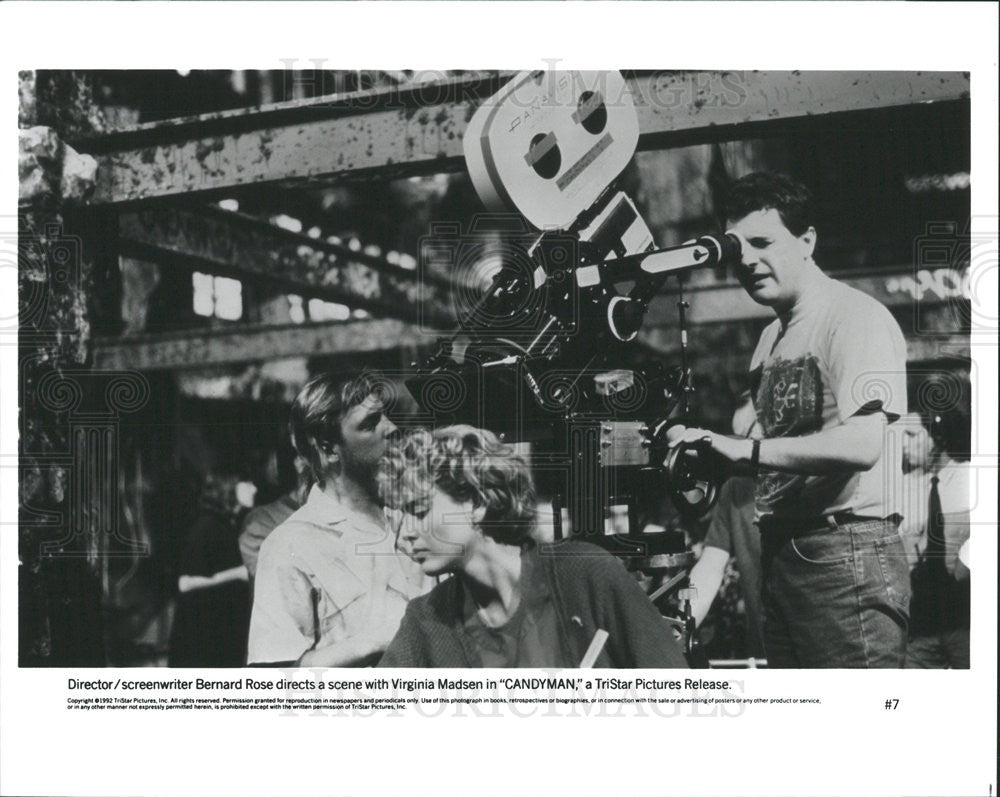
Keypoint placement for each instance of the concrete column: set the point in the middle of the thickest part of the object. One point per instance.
(68, 447)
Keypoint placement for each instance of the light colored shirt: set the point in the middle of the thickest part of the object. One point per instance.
(324, 575)
(953, 490)
(914, 498)
(841, 352)
(732, 530)
(260, 522)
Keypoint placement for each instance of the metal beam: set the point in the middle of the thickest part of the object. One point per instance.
(405, 130)
(709, 305)
(895, 287)
(727, 303)
(690, 107)
(207, 348)
(918, 350)
(244, 344)
(418, 128)
(233, 244)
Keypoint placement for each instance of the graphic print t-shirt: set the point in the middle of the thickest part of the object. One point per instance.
(840, 353)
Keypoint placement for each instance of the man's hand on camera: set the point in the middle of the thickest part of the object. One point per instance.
(731, 453)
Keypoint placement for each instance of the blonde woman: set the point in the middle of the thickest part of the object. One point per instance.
(462, 503)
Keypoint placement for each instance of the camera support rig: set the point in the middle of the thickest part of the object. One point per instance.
(548, 353)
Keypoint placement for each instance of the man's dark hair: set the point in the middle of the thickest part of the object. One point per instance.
(765, 190)
(320, 406)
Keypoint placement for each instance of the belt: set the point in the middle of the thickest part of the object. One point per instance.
(800, 527)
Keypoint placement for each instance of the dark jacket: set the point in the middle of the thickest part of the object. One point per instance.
(591, 590)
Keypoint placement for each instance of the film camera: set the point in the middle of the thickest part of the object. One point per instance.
(552, 290)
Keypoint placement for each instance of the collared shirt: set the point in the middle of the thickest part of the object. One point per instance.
(839, 353)
(940, 603)
(259, 523)
(326, 574)
(953, 492)
(914, 493)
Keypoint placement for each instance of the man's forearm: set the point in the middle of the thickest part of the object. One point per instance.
(238, 573)
(842, 449)
(850, 447)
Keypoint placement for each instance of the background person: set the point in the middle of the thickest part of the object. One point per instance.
(827, 376)
(330, 589)
(210, 623)
(464, 504)
(938, 492)
(262, 520)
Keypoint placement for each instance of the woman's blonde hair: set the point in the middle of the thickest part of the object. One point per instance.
(469, 465)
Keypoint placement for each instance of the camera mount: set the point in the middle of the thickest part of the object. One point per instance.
(549, 353)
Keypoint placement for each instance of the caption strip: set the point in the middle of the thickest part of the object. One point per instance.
(427, 696)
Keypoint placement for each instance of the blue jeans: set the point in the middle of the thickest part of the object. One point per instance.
(835, 597)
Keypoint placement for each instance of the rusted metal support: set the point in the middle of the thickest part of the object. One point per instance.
(234, 244)
(67, 514)
(246, 344)
(403, 130)
(60, 99)
(693, 107)
(724, 365)
(896, 288)
(929, 303)
(418, 128)
(721, 306)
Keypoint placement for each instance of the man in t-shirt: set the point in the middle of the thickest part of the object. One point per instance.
(827, 376)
